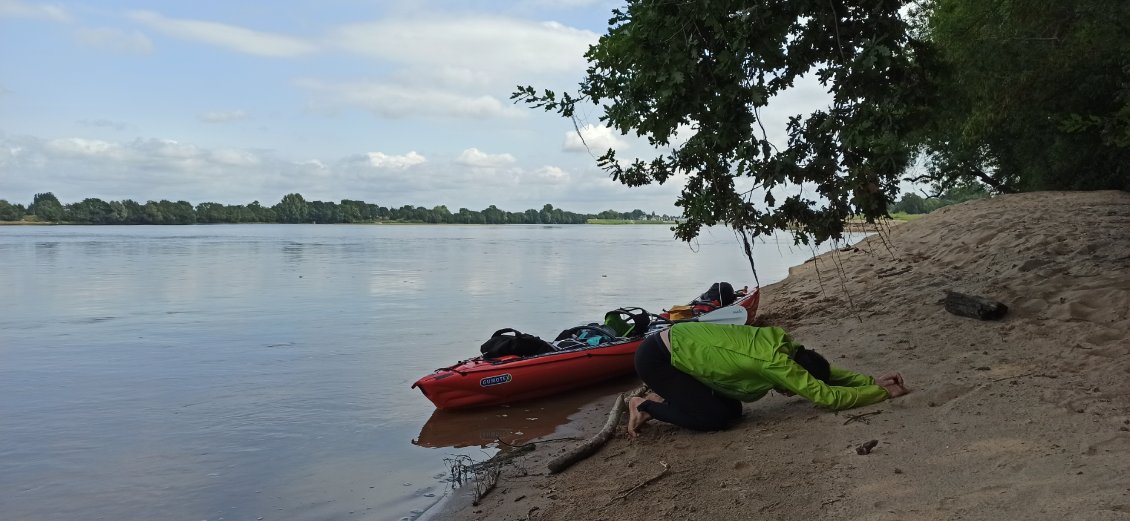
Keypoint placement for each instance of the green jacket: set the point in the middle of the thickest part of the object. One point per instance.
(745, 363)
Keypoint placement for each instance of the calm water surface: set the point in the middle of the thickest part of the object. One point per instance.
(262, 371)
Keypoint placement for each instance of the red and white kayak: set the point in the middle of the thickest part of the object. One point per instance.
(479, 381)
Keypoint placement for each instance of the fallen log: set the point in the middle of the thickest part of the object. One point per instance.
(590, 447)
(974, 306)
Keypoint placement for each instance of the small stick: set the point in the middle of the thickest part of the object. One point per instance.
(861, 417)
(1031, 373)
(1014, 376)
(645, 483)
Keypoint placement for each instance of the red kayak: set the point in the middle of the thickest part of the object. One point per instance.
(481, 381)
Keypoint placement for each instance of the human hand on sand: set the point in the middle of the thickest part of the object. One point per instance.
(893, 383)
(895, 390)
(890, 378)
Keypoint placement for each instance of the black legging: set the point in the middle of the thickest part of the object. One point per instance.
(687, 402)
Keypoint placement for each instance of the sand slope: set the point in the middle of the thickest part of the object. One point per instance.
(1023, 418)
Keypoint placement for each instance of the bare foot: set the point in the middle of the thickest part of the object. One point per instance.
(636, 417)
(653, 397)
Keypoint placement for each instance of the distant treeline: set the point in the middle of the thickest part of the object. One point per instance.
(293, 208)
(916, 204)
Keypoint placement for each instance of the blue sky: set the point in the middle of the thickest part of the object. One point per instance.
(390, 102)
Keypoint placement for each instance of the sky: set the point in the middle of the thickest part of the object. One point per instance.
(390, 102)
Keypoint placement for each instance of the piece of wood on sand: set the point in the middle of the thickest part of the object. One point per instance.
(590, 447)
(974, 306)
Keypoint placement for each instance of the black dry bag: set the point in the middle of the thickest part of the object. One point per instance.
(505, 342)
(721, 292)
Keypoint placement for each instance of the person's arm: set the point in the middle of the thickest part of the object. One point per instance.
(845, 378)
(787, 374)
(892, 382)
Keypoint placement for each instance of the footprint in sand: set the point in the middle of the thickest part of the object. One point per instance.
(1104, 336)
(933, 397)
(1097, 305)
(973, 500)
(1107, 445)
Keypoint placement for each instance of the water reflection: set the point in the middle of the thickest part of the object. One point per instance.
(518, 423)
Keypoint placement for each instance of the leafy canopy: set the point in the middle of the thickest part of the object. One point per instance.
(1034, 94)
(712, 65)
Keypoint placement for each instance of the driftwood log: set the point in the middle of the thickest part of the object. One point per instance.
(590, 447)
(974, 306)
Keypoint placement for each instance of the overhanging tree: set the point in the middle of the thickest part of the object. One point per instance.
(712, 66)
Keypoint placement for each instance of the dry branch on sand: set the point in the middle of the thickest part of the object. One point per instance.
(590, 447)
(662, 473)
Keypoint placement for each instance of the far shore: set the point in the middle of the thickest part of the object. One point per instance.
(849, 226)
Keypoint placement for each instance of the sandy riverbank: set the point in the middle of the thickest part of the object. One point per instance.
(1023, 418)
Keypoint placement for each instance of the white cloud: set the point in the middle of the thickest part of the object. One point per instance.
(79, 147)
(170, 149)
(115, 39)
(223, 116)
(599, 139)
(232, 37)
(451, 76)
(104, 123)
(233, 157)
(450, 67)
(551, 175)
(382, 160)
(18, 9)
(400, 101)
(507, 46)
(473, 157)
(314, 164)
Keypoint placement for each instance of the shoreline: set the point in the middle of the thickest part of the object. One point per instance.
(850, 227)
(1025, 417)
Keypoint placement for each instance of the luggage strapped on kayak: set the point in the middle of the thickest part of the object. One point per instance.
(628, 321)
(588, 335)
(503, 343)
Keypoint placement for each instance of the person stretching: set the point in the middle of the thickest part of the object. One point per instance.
(702, 372)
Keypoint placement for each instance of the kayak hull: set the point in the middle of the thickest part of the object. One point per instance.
(479, 382)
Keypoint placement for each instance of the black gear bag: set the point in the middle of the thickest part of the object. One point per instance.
(505, 342)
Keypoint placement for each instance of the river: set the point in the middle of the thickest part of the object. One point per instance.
(263, 372)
